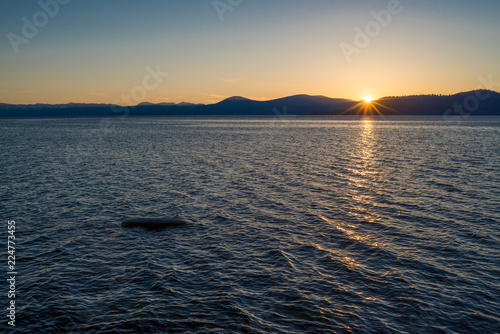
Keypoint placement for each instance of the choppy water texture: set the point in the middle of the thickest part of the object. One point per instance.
(298, 226)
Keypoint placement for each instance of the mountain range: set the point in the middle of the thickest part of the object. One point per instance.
(475, 103)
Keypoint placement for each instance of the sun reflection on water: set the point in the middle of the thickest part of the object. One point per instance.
(361, 187)
(367, 141)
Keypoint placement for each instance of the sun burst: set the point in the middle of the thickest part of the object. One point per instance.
(369, 107)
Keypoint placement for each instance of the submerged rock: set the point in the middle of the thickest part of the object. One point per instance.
(154, 222)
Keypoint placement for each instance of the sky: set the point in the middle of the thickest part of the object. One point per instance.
(203, 51)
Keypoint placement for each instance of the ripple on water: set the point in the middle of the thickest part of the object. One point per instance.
(310, 227)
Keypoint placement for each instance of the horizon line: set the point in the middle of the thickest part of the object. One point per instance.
(170, 103)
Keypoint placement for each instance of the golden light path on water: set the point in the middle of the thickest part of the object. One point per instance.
(360, 178)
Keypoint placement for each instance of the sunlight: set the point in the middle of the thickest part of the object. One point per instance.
(368, 107)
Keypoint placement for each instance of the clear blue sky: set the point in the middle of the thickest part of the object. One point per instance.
(96, 51)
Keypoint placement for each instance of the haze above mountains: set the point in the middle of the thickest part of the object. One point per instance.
(475, 103)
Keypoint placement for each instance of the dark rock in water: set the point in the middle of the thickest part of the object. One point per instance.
(154, 223)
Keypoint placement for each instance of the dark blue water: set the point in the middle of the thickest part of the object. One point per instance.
(297, 226)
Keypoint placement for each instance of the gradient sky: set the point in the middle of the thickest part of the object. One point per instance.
(98, 50)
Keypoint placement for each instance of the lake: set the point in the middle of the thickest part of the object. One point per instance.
(295, 225)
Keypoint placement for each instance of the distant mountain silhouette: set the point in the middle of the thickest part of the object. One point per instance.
(152, 104)
(479, 102)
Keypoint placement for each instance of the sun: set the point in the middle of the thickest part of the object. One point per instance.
(368, 107)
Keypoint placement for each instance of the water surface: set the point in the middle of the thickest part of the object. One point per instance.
(298, 226)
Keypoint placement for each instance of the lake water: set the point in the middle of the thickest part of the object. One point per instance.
(296, 225)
